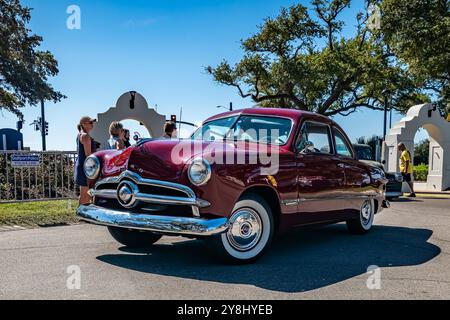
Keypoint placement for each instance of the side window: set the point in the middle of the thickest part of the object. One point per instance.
(317, 136)
(342, 147)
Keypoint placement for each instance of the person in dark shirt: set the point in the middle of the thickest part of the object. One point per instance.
(170, 130)
(85, 147)
(127, 138)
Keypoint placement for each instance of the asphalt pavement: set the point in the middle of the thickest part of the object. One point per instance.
(410, 245)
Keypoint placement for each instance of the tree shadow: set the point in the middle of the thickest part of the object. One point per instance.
(303, 260)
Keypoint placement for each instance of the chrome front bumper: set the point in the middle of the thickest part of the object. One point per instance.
(158, 224)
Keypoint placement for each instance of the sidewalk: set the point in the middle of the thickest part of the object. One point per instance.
(421, 192)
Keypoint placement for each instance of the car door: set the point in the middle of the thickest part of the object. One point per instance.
(320, 179)
(357, 179)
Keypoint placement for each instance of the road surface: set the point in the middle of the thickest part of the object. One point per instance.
(410, 244)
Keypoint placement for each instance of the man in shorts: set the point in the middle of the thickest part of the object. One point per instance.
(406, 168)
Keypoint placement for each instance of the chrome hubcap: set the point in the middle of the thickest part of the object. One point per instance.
(245, 229)
(366, 213)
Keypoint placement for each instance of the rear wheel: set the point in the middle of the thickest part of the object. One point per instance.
(133, 238)
(250, 232)
(364, 223)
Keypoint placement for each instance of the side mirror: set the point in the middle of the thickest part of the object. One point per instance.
(383, 162)
(308, 147)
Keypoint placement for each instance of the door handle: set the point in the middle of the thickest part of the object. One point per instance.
(342, 165)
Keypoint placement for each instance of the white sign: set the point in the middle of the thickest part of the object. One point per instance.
(25, 160)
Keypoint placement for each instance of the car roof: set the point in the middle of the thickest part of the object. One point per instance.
(277, 112)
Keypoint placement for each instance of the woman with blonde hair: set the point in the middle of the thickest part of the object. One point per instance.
(85, 147)
(117, 139)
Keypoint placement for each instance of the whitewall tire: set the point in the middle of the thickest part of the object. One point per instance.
(250, 231)
(364, 222)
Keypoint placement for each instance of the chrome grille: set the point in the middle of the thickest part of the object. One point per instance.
(135, 190)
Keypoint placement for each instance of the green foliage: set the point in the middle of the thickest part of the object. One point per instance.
(24, 70)
(422, 151)
(301, 59)
(418, 32)
(420, 172)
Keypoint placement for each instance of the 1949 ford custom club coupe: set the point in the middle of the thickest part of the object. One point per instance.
(240, 179)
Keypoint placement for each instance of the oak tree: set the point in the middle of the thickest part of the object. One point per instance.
(24, 68)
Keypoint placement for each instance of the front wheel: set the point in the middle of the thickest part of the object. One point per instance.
(364, 222)
(249, 234)
(133, 238)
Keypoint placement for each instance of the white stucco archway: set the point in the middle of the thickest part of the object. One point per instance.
(438, 128)
(130, 106)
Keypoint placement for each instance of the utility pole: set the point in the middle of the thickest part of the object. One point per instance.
(43, 126)
(386, 106)
(390, 120)
(231, 106)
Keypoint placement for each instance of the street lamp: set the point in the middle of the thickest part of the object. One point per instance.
(228, 109)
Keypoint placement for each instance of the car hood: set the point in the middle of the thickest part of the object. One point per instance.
(166, 159)
(373, 163)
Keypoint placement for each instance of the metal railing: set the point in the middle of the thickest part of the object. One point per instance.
(48, 176)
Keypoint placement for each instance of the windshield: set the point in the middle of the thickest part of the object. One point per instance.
(215, 130)
(364, 153)
(260, 129)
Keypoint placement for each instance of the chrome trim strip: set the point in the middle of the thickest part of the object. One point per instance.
(104, 194)
(293, 202)
(153, 198)
(191, 199)
(338, 198)
(159, 224)
(290, 202)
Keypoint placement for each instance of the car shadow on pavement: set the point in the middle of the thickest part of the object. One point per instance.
(407, 200)
(302, 260)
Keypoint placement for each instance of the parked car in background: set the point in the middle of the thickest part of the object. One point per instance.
(152, 189)
(394, 186)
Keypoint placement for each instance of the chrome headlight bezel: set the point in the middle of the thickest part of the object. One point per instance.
(91, 167)
(199, 166)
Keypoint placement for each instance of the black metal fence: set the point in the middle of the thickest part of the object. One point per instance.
(31, 176)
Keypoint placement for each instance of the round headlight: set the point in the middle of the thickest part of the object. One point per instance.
(399, 177)
(199, 172)
(92, 167)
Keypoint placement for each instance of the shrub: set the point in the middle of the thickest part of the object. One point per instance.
(420, 172)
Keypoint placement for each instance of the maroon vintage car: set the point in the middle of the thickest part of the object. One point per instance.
(242, 177)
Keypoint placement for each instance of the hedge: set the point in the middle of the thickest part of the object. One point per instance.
(420, 172)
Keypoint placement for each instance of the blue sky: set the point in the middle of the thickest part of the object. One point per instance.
(158, 48)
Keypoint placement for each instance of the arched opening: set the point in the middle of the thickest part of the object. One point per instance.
(407, 131)
(137, 130)
(130, 106)
(420, 156)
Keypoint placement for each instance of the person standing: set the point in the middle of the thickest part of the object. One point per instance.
(406, 168)
(170, 130)
(85, 147)
(116, 141)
